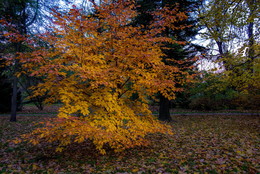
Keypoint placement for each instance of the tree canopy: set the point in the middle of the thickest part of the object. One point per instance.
(94, 66)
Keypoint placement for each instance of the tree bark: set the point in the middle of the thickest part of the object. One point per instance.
(21, 27)
(14, 100)
(164, 110)
(250, 29)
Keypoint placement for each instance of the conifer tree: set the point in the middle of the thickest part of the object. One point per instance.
(14, 14)
(176, 52)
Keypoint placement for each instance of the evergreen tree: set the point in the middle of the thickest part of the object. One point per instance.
(174, 51)
(15, 14)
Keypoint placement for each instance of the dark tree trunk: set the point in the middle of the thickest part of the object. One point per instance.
(250, 29)
(14, 100)
(21, 27)
(220, 48)
(251, 40)
(251, 51)
(164, 111)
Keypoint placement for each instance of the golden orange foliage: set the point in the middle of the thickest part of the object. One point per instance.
(95, 64)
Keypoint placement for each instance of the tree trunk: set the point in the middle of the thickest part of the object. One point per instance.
(21, 27)
(164, 110)
(14, 100)
(250, 30)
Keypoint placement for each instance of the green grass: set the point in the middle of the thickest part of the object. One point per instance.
(201, 144)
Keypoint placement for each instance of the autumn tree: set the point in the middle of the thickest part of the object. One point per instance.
(95, 64)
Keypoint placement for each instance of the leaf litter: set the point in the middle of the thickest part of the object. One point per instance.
(200, 144)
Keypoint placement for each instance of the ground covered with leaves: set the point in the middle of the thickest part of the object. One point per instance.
(200, 144)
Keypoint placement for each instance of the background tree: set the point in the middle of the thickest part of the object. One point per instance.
(14, 13)
(26, 17)
(180, 55)
(232, 26)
